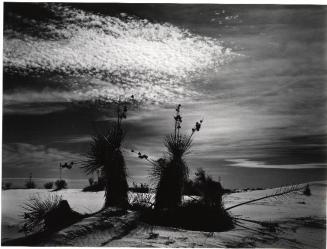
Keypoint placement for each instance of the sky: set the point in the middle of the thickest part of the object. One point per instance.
(255, 74)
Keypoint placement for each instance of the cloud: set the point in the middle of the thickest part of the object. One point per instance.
(256, 164)
(127, 56)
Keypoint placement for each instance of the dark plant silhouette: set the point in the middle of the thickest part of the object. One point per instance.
(60, 184)
(48, 185)
(6, 185)
(105, 155)
(48, 214)
(171, 172)
(142, 188)
(96, 186)
(307, 190)
(30, 183)
(91, 181)
(211, 191)
(36, 209)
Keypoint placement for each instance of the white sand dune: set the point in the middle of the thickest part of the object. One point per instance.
(297, 221)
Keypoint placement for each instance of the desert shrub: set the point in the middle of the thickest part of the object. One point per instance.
(211, 191)
(190, 188)
(195, 187)
(307, 190)
(48, 185)
(6, 185)
(60, 184)
(91, 181)
(105, 155)
(35, 210)
(30, 184)
(96, 186)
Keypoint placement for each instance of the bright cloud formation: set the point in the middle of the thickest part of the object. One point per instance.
(150, 60)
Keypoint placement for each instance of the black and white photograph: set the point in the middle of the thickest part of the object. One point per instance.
(176, 124)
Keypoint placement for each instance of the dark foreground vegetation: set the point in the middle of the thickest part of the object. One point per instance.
(191, 216)
(141, 188)
(204, 211)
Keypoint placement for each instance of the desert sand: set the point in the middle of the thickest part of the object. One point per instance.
(295, 221)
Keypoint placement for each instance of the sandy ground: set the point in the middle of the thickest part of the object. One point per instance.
(296, 221)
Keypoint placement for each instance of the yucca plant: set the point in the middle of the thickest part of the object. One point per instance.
(36, 210)
(105, 156)
(172, 172)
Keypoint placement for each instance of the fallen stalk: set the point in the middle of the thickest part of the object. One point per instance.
(279, 192)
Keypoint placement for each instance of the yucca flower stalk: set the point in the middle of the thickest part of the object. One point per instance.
(105, 155)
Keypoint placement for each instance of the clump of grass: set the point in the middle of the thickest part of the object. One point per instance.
(60, 184)
(48, 185)
(36, 209)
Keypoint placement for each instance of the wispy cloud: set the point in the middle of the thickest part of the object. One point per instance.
(256, 164)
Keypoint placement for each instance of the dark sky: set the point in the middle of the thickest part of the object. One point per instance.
(256, 74)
